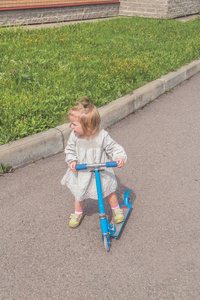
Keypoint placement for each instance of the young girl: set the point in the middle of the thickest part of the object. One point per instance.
(88, 144)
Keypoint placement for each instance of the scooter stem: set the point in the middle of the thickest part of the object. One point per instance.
(103, 220)
(99, 192)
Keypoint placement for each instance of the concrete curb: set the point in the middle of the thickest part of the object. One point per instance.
(53, 141)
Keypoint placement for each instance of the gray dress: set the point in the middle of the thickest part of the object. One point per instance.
(103, 148)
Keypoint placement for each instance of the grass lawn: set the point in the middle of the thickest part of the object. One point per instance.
(43, 72)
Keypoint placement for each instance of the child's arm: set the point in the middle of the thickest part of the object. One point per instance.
(114, 150)
(70, 150)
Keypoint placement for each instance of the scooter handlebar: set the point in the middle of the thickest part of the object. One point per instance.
(109, 164)
(81, 167)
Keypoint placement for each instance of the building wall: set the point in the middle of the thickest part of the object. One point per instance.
(178, 8)
(58, 14)
(159, 8)
(144, 8)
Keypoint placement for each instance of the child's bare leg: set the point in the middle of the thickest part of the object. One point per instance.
(78, 206)
(117, 211)
(112, 200)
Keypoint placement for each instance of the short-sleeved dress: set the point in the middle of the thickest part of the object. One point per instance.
(103, 148)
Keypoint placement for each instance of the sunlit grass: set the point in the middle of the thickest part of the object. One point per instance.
(43, 72)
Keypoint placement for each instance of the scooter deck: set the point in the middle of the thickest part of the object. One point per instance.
(126, 210)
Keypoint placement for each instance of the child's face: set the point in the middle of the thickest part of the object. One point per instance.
(76, 125)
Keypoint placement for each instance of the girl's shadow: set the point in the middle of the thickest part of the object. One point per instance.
(91, 206)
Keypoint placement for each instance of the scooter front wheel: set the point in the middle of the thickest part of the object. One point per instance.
(106, 242)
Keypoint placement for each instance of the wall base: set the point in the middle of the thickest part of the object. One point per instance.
(58, 14)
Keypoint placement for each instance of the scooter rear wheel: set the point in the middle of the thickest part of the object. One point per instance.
(106, 243)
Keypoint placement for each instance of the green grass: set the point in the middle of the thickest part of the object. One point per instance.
(43, 72)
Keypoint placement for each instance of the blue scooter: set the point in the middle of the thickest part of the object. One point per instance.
(108, 229)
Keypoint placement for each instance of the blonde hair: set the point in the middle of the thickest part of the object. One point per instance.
(88, 115)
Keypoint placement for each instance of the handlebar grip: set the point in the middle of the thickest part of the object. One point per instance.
(81, 167)
(111, 164)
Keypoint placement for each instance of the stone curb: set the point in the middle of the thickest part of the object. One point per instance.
(53, 141)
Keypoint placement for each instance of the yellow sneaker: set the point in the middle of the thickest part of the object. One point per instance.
(118, 215)
(75, 220)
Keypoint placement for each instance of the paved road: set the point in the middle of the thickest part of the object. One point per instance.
(157, 255)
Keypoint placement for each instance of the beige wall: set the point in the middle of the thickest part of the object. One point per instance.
(159, 8)
(144, 8)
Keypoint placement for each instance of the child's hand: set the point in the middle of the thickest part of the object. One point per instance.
(73, 166)
(120, 162)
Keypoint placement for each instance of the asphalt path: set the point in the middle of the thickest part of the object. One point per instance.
(157, 255)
